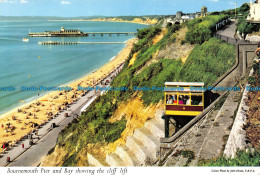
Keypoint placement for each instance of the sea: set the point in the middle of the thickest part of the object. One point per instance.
(30, 64)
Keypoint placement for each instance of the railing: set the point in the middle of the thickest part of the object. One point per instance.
(232, 41)
(222, 24)
(229, 40)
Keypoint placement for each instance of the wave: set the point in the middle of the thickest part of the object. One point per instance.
(33, 98)
(112, 58)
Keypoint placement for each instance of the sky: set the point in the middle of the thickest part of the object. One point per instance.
(75, 8)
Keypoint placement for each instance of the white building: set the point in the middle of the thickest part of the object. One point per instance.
(254, 14)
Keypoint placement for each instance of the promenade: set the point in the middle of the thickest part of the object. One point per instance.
(229, 30)
(45, 140)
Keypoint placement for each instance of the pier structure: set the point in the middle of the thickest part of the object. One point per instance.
(73, 43)
(62, 33)
(75, 33)
(110, 33)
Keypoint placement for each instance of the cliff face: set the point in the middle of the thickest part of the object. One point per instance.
(135, 20)
(136, 115)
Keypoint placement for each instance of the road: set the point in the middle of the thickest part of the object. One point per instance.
(32, 155)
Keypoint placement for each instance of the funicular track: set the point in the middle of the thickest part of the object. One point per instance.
(190, 138)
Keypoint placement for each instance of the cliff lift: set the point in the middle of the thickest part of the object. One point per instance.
(182, 100)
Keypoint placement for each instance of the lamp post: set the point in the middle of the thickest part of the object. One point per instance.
(236, 10)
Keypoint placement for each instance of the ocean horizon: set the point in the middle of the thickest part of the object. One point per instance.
(29, 64)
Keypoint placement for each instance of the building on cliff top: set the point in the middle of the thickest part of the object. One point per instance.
(181, 17)
(254, 14)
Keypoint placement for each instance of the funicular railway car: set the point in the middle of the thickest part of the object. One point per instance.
(184, 98)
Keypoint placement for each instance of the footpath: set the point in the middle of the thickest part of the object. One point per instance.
(228, 31)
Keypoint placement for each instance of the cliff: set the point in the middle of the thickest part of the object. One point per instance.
(147, 21)
(159, 56)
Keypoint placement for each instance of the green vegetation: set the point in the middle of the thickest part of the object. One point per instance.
(220, 103)
(187, 154)
(254, 79)
(201, 29)
(239, 11)
(70, 161)
(155, 74)
(208, 61)
(251, 80)
(145, 37)
(242, 158)
(205, 64)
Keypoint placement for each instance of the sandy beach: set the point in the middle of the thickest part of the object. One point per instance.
(117, 20)
(17, 123)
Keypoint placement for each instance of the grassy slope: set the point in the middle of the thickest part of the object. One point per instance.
(201, 29)
(242, 158)
(93, 126)
(208, 61)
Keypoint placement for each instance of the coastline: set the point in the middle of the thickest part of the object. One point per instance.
(95, 20)
(50, 102)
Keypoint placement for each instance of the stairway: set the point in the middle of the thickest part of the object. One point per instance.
(141, 149)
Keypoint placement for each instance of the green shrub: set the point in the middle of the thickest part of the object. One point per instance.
(243, 26)
(251, 80)
(208, 61)
(70, 161)
(201, 29)
(242, 158)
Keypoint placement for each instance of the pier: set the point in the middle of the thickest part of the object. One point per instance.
(75, 33)
(101, 42)
(110, 33)
(73, 43)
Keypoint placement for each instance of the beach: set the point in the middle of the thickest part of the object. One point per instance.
(136, 20)
(21, 121)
